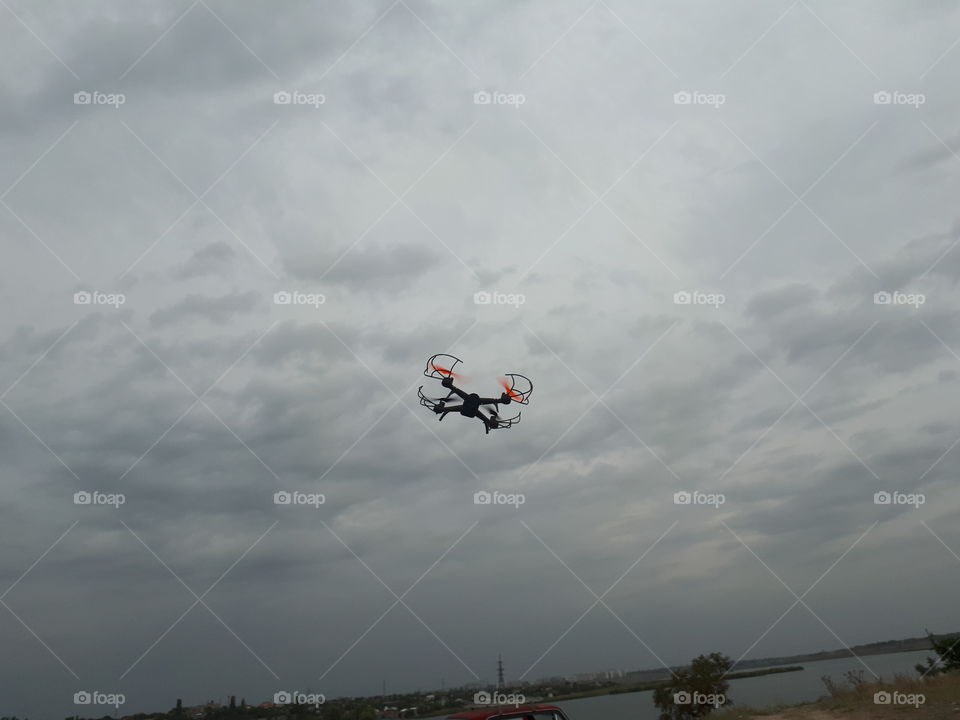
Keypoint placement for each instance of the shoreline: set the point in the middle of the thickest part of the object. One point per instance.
(649, 685)
(646, 686)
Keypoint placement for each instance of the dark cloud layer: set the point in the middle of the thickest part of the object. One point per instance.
(212, 298)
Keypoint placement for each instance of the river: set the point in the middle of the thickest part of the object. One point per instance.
(778, 689)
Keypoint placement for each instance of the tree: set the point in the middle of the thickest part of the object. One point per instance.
(233, 702)
(695, 691)
(179, 709)
(947, 648)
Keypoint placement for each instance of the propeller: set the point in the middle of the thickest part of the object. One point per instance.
(514, 395)
(447, 372)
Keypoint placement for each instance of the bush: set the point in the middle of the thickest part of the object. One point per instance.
(947, 649)
(696, 691)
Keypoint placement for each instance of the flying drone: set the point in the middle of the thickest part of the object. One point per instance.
(516, 388)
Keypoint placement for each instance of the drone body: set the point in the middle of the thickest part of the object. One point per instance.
(516, 388)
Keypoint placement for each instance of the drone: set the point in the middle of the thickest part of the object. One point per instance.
(516, 388)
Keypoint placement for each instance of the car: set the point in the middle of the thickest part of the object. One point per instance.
(523, 712)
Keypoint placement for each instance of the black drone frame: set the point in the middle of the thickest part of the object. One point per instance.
(441, 367)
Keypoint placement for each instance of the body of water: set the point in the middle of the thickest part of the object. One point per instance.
(779, 689)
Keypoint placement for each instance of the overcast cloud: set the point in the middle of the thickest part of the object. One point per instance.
(782, 196)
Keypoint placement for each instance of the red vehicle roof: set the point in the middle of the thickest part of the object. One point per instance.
(490, 712)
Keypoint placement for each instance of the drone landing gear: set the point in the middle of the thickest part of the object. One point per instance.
(442, 409)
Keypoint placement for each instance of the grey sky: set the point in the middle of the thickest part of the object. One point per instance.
(795, 196)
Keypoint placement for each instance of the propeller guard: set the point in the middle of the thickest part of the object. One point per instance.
(441, 360)
(428, 402)
(503, 423)
(520, 388)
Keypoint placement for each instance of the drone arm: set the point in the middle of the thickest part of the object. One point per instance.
(454, 390)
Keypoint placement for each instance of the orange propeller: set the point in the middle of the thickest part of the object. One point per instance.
(506, 387)
(450, 373)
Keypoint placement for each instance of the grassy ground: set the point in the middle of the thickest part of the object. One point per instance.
(942, 700)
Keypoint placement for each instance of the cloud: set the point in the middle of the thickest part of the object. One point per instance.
(211, 259)
(214, 309)
(396, 199)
